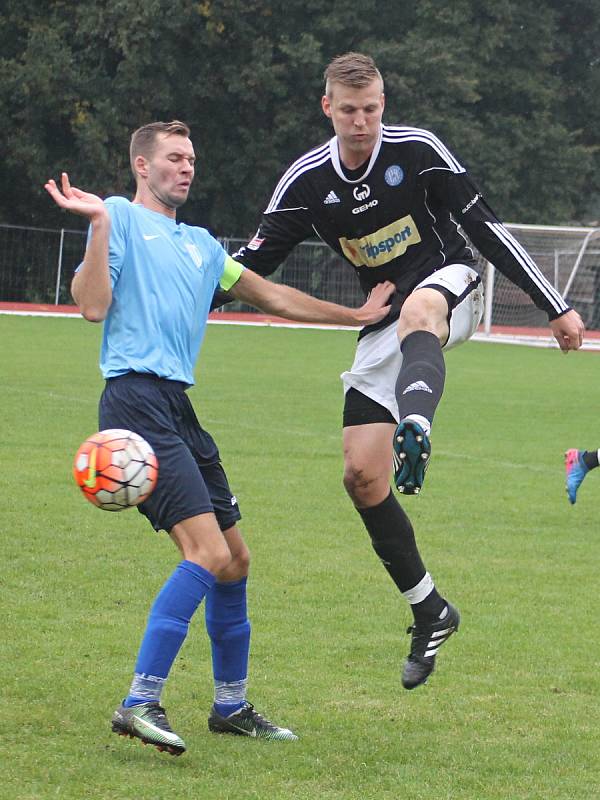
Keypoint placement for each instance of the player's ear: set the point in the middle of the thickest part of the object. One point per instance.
(141, 166)
(326, 106)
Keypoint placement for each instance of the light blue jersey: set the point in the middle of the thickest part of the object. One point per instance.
(163, 276)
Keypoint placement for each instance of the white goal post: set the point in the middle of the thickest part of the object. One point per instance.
(569, 258)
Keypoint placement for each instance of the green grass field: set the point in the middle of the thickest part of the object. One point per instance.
(512, 711)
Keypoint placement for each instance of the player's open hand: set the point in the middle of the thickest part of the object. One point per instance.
(73, 199)
(568, 331)
(377, 306)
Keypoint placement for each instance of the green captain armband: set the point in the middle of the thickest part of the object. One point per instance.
(231, 273)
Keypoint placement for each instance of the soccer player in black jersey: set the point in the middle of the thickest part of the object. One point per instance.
(390, 200)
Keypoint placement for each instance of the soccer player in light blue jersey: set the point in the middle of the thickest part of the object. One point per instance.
(151, 280)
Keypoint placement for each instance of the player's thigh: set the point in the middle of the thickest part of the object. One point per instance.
(425, 309)
(460, 285)
(368, 461)
(150, 407)
(201, 541)
(224, 502)
(368, 448)
(181, 492)
(373, 377)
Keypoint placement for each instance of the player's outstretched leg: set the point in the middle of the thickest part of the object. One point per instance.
(248, 722)
(427, 638)
(148, 722)
(412, 451)
(577, 465)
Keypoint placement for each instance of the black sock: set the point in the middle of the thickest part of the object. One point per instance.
(393, 539)
(590, 458)
(421, 379)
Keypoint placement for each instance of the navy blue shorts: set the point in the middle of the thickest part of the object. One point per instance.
(191, 479)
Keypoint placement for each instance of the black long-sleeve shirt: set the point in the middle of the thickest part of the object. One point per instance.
(396, 218)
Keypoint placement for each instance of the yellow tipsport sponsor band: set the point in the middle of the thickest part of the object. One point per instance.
(231, 273)
(383, 245)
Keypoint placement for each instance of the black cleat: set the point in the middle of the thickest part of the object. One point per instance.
(148, 722)
(412, 451)
(247, 722)
(427, 638)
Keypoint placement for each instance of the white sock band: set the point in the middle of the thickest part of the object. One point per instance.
(419, 592)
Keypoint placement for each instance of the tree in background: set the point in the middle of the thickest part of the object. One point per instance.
(510, 86)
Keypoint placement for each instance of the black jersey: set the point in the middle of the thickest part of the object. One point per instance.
(397, 220)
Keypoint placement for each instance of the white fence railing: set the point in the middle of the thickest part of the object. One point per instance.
(37, 264)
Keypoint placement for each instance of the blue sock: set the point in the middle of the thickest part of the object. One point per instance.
(167, 628)
(229, 630)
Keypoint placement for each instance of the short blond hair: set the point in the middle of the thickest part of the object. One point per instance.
(143, 141)
(351, 69)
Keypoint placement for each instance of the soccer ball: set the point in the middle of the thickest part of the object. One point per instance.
(115, 469)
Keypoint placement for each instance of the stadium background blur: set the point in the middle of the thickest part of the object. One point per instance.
(510, 88)
(513, 92)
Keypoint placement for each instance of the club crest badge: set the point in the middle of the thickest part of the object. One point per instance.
(394, 175)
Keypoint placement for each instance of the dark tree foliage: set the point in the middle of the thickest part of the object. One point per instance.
(512, 87)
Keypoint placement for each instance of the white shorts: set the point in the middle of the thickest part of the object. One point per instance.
(378, 358)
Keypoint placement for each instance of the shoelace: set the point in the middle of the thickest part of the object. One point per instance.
(158, 716)
(420, 639)
(249, 713)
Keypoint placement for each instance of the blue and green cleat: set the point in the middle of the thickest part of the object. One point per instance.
(248, 722)
(411, 456)
(148, 722)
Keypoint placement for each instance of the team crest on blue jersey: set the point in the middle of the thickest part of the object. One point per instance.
(394, 175)
(195, 254)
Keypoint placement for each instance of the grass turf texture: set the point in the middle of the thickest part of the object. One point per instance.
(511, 712)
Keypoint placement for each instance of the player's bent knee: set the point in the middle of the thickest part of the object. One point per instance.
(239, 565)
(219, 561)
(240, 555)
(216, 557)
(354, 479)
(363, 487)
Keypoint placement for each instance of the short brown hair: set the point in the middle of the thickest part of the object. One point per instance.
(351, 69)
(143, 140)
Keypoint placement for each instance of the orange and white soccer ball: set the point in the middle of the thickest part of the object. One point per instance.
(115, 469)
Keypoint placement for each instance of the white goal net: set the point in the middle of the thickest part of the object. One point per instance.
(569, 258)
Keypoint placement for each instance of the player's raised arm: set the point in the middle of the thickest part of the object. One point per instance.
(284, 301)
(91, 287)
